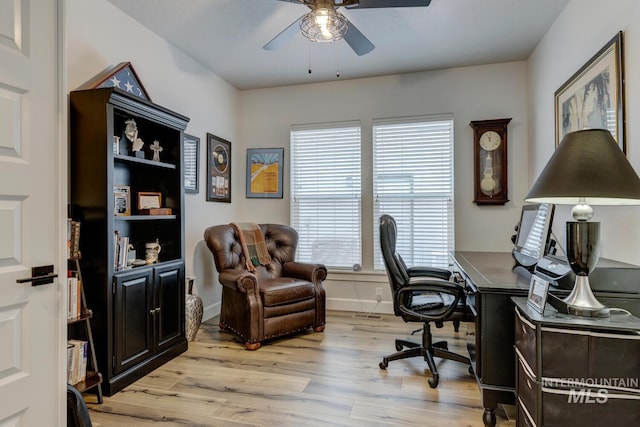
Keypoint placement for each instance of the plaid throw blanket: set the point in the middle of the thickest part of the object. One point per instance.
(253, 245)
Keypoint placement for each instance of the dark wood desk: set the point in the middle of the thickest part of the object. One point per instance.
(490, 282)
(491, 279)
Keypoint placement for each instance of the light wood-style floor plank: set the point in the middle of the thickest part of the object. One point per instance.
(311, 379)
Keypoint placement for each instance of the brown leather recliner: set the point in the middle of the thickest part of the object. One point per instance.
(279, 298)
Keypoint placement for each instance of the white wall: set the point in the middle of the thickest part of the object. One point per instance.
(100, 36)
(472, 93)
(579, 32)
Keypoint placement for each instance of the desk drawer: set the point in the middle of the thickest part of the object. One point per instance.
(527, 389)
(525, 339)
(589, 354)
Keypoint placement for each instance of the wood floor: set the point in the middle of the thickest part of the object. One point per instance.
(313, 379)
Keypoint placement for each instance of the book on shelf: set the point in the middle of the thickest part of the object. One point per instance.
(121, 248)
(74, 239)
(77, 361)
(74, 292)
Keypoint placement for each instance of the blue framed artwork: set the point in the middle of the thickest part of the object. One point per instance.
(264, 173)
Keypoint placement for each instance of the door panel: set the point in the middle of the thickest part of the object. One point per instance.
(133, 320)
(32, 213)
(170, 295)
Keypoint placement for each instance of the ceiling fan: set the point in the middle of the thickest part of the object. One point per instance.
(325, 24)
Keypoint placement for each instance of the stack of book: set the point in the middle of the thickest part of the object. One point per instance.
(76, 361)
(121, 247)
(73, 239)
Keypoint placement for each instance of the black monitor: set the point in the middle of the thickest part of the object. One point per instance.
(532, 240)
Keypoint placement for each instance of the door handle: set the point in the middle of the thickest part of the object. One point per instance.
(40, 276)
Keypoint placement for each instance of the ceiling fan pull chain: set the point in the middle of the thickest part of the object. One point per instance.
(309, 52)
(335, 49)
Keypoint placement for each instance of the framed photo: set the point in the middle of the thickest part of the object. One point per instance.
(149, 200)
(191, 150)
(264, 173)
(538, 289)
(121, 200)
(218, 169)
(593, 98)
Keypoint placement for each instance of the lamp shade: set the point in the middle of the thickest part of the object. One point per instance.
(587, 167)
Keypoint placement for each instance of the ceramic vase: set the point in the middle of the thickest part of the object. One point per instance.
(193, 310)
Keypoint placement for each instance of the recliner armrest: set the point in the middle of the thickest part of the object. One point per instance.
(306, 271)
(239, 279)
(436, 272)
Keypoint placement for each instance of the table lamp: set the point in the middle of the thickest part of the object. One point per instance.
(587, 168)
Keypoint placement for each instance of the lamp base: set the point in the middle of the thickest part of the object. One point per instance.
(582, 302)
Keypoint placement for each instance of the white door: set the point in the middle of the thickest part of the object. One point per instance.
(32, 213)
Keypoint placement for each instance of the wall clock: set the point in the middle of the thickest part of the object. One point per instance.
(490, 161)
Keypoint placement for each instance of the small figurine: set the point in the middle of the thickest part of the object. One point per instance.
(156, 150)
(131, 132)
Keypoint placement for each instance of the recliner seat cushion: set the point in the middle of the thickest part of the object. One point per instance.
(285, 290)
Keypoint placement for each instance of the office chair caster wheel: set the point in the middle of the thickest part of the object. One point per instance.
(471, 371)
(399, 346)
(433, 381)
(383, 365)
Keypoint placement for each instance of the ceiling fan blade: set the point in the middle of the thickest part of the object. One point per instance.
(367, 4)
(285, 35)
(358, 42)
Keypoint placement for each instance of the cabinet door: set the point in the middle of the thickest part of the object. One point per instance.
(169, 303)
(133, 310)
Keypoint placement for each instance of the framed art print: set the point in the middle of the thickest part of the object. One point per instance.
(264, 173)
(593, 98)
(218, 169)
(191, 150)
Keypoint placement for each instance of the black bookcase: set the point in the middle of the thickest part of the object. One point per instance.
(138, 310)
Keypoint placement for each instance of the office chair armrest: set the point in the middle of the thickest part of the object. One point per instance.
(239, 279)
(430, 286)
(436, 272)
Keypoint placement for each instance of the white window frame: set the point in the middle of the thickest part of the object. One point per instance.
(413, 181)
(326, 193)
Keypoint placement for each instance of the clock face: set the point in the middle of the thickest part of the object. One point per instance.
(490, 140)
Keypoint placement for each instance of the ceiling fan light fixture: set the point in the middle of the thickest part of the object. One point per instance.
(324, 25)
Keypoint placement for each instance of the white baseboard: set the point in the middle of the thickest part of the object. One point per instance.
(211, 311)
(359, 305)
(338, 304)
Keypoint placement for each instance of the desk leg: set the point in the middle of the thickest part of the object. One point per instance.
(489, 417)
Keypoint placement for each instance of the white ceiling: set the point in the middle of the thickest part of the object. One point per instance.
(227, 37)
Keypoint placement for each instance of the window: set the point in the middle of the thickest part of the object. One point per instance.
(413, 182)
(326, 193)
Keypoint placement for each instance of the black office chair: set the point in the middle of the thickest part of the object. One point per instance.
(77, 412)
(421, 294)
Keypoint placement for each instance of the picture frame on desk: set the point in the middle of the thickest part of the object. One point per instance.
(538, 289)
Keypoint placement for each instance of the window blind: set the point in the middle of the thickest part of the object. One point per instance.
(413, 182)
(326, 193)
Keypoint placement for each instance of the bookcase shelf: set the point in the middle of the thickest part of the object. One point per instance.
(80, 328)
(138, 313)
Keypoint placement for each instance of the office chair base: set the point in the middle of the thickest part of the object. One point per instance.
(426, 350)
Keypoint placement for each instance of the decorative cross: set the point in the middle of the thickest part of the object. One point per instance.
(156, 150)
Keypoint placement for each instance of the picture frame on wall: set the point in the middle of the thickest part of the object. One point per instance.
(593, 97)
(191, 149)
(264, 173)
(218, 169)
